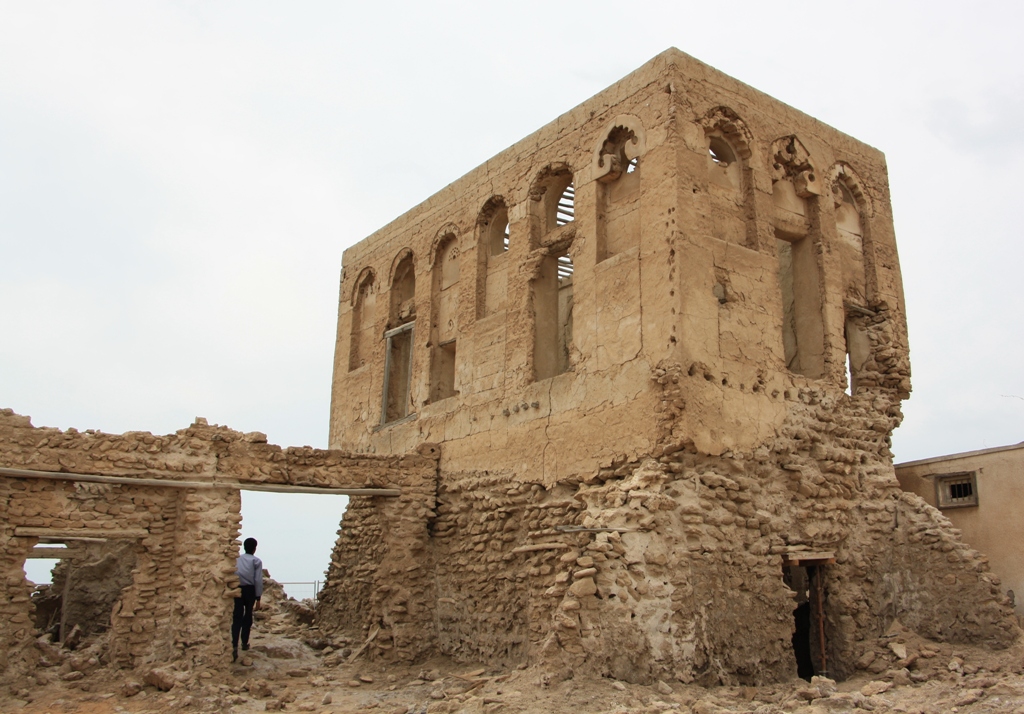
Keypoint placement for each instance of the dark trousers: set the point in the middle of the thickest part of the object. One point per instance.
(241, 619)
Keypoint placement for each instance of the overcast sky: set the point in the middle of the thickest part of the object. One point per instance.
(178, 181)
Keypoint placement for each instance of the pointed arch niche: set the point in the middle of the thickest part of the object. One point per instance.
(616, 166)
(852, 211)
(364, 315)
(493, 232)
(730, 181)
(444, 319)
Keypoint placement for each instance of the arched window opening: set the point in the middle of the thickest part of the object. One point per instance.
(720, 152)
(403, 292)
(725, 170)
(495, 229)
(444, 321)
(730, 194)
(553, 201)
(847, 212)
(553, 308)
(492, 257)
(364, 311)
(618, 195)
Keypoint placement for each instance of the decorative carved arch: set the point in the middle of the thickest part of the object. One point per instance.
(546, 176)
(399, 257)
(448, 230)
(844, 173)
(360, 280)
(631, 141)
(788, 158)
(732, 127)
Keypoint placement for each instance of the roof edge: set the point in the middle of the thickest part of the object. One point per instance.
(961, 455)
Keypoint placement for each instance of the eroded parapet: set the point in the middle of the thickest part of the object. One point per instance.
(176, 498)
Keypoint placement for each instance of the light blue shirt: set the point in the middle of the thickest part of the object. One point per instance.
(250, 572)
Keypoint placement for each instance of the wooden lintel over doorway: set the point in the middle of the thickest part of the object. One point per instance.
(806, 558)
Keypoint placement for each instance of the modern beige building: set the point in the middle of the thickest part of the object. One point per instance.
(982, 494)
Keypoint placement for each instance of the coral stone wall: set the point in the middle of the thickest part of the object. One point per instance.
(185, 535)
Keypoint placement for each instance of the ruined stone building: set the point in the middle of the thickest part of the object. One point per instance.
(661, 344)
(624, 394)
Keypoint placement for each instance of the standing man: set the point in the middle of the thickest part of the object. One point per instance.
(250, 577)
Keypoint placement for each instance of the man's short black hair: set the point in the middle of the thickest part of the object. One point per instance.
(249, 545)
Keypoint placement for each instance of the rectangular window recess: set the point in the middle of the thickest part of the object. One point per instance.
(956, 490)
(447, 342)
(396, 396)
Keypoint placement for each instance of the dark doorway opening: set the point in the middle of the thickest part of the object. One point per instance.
(805, 576)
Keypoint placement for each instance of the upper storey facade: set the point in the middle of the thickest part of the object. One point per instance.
(522, 315)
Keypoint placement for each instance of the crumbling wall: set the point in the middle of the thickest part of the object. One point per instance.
(185, 534)
(84, 589)
(493, 555)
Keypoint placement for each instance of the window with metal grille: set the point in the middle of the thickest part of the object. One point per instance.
(566, 206)
(957, 490)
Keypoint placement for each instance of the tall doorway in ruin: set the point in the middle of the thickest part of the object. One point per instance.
(805, 575)
(296, 533)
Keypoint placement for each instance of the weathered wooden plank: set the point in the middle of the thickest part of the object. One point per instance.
(71, 533)
(172, 483)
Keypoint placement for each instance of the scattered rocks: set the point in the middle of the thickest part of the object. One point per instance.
(875, 687)
(130, 689)
(162, 679)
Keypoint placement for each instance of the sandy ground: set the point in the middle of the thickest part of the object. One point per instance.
(281, 672)
(286, 675)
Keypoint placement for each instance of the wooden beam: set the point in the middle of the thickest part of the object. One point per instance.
(130, 480)
(284, 488)
(540, 546)
(56, 553)
(799, 557)
(72, 533)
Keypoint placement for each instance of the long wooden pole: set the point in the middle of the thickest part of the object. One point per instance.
(172, 483)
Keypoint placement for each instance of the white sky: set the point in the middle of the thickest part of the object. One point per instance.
(178, 181)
